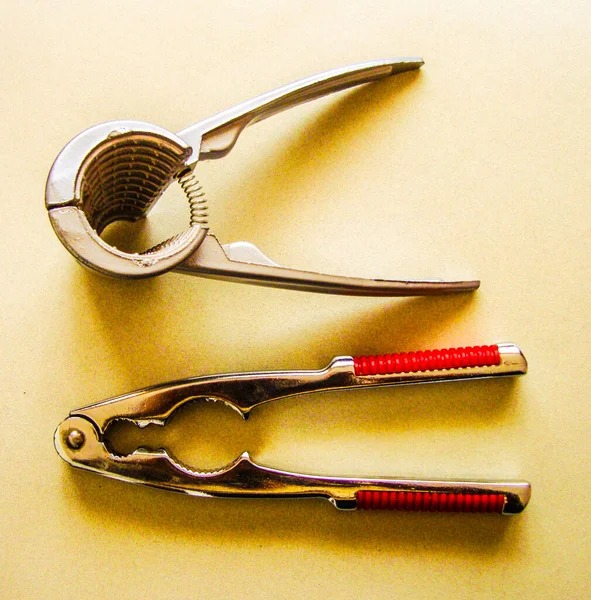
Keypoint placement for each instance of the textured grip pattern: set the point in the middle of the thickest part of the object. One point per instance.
(427, 360)
(431, 501)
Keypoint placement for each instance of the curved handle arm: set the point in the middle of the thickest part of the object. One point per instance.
(78, 443)
(215, 136)
(245, 263)
(245, 391)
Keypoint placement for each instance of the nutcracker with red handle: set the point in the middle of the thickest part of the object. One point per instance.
(80, 439)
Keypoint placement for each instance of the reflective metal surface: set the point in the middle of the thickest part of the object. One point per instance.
(80, 438)
(118, 170)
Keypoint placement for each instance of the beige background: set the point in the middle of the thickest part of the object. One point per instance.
(476, 167)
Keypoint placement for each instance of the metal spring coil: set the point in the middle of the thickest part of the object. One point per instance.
(196, 197)
(430, 501)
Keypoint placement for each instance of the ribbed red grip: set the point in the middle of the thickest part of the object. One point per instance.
(431, 501)
(427, 360)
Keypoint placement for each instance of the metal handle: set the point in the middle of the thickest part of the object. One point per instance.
(245, 391)
(78, 442)
(242, 262)
(215, 137)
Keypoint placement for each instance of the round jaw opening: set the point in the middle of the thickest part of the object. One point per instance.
(116, 172)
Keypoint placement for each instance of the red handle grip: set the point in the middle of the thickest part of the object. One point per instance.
(427, 360)
(431, 501)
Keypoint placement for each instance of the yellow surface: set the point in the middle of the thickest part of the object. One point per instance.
(476, 167)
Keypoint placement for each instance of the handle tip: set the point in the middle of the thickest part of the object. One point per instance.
(411, 63)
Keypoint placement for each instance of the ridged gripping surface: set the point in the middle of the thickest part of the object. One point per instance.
(427, 360)
(125, 175)
(431, 501)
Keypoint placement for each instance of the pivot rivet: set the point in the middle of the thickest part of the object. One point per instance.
(75, 439)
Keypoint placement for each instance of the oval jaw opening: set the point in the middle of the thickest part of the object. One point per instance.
(117, 171)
